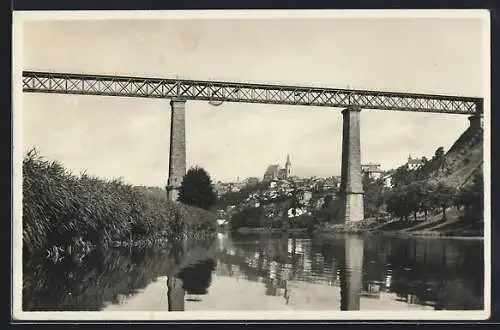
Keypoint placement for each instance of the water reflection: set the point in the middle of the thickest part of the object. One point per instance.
(109, 278)
(263, 272)
(192, 280)
(372, 273)
(175, 294)
(351, 275)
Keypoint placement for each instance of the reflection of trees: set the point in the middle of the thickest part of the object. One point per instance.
(275, 260)
(197, 278)
(438, 272)
(103, 278)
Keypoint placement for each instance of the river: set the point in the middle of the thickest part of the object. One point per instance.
(264, 272)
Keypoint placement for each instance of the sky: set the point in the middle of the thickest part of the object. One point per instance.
(114, 137)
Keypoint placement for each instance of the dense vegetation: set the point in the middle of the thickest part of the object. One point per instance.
(65, 212)
(260, 217)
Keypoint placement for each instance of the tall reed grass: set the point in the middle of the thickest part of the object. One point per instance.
(61, 209)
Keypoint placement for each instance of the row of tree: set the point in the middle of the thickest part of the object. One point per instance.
(419, 196)
(422, 197)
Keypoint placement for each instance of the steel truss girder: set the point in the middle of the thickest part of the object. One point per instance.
(84, 84)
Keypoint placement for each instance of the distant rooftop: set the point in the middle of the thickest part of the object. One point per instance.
(371, 167)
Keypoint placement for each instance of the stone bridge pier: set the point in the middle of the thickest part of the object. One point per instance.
(351, 185)
(177, 163)
(476, 122)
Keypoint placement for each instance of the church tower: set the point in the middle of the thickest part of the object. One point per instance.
(288, 166)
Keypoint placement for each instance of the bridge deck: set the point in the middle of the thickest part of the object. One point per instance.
(85, 84)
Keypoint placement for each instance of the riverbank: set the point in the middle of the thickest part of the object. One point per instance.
(260, 230)
(454, 226)
(65, 214)
(431, 228)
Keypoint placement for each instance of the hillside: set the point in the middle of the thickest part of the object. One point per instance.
(463, 159)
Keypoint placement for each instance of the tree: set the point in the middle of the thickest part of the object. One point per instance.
(478, 193)
(471, 197)
(439, 153)
(196, 189)
(430, 166)
(414, 194)
(426, 200)
(252, 217)
(397, 203)
(403, 176)
(443, 197)
(373, 199)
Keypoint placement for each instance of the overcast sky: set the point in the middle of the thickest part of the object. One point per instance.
(125, 137)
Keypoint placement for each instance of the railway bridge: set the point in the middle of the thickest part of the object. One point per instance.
(180, 91)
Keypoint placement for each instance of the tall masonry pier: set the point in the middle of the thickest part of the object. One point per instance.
(177, 163)
(351, 185)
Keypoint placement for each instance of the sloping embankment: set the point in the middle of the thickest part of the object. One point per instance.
(435, 226)
(463, 159)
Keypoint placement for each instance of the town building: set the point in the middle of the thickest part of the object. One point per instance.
(305, 196)
(276, 172)
(414, 163)
(387, 179)
(372, 170)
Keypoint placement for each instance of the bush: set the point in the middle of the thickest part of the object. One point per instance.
(252, 217)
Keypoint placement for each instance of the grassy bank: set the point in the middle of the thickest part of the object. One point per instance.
(458, 225)
(65, 213)
(247, 230)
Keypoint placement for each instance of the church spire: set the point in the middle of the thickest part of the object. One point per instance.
(288, 166)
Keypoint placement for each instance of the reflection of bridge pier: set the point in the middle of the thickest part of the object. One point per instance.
(352, 273)
(175, 294)
(193, 279)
